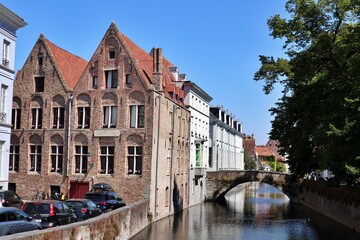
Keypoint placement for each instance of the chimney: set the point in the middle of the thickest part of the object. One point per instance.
(175, 71)
(156, 53)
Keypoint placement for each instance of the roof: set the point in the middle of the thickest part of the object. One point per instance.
(264, 151)
(70, 66)
(144, 63)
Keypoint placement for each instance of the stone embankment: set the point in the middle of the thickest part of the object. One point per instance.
(119, 224)
(340, 203)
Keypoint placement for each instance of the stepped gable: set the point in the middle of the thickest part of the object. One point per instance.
(70, 66)
(144, 65)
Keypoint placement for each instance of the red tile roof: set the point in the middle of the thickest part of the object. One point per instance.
(144, 62)
(264, 151)
(70, 66)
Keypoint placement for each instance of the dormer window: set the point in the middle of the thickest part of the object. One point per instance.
(111, 54)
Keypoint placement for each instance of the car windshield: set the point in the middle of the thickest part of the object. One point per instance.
(95, 197)
(40, 208)
(74, 204)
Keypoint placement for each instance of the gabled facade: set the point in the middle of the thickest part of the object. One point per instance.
(9, 24)
(39, 141)
(125, 125)
(226, 141)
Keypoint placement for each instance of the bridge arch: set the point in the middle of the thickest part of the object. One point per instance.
(221, 182)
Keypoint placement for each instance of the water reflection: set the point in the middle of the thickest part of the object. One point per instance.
(252, 213)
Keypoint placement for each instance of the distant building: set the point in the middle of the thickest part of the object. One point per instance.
(9, 24)
(250, 147)
(226, 150)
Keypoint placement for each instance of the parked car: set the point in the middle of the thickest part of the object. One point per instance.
(49, 213)
(83, 208)
(100, 187)
(10, 199)
(13, 220)
(107, 200)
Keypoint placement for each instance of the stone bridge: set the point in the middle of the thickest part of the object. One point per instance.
(220, 182)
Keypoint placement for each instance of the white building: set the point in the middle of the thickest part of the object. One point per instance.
(226, 150)
(9, 24)
(197, 102)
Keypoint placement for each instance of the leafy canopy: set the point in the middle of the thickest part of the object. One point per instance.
(317, 119)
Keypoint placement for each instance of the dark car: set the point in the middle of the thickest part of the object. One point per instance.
(10, 199)
(13, 220)
(83, 208)
(49, 213)
(107, 200)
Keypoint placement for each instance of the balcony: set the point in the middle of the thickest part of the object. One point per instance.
(199, 172)
(2, 117)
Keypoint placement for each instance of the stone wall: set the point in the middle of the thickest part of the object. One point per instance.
(339, 203)
(119, 224)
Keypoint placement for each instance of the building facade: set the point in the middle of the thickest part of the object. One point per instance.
(197, 102)
(226, 150)
(115, 119)
(9, 24)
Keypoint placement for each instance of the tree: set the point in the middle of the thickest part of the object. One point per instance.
(317, 120)
(249, 161)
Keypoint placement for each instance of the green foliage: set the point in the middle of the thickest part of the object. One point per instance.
(249, 161)
(317, 120)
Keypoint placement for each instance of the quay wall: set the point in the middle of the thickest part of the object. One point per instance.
(339, 203)
(119, 224)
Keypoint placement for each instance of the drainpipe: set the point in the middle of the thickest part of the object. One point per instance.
(68, 144)
(157, 158)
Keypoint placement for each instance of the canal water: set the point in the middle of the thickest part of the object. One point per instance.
(255, 212)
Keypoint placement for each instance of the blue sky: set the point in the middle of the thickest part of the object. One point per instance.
(216, 43)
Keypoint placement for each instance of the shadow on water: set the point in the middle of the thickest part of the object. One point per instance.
(256, 212)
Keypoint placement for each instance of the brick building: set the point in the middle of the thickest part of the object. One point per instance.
(116, 119)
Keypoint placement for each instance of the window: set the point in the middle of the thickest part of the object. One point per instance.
(40, 60)
(111, 78)
(3, 94)
(134, 160)
(137, 116)
(59, 116)
(16, 118)
(107, 159)
(35, 158)
(6, 53)
(2, 145)
(111, 54)
(36, 122)
(14, 157)
(56, 158)
(198, 154)
(109, 117)
(95, 82)
(81, 159)
(83, 117)
(128, 79)
(39, 84)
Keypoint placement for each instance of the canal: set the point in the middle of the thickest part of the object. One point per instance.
(255, 212)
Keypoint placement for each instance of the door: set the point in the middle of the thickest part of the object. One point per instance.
(78, 189)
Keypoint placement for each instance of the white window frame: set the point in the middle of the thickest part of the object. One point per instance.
(16, 118)
(105, 158)
(110, 116)
(82, 119)
(6, 53)
(82, 157)
(35, 158)
(110, 82)
(14, 158)
(56, 158)
(134, 156)
(135, 116)
(36, 119)
(57, 118)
